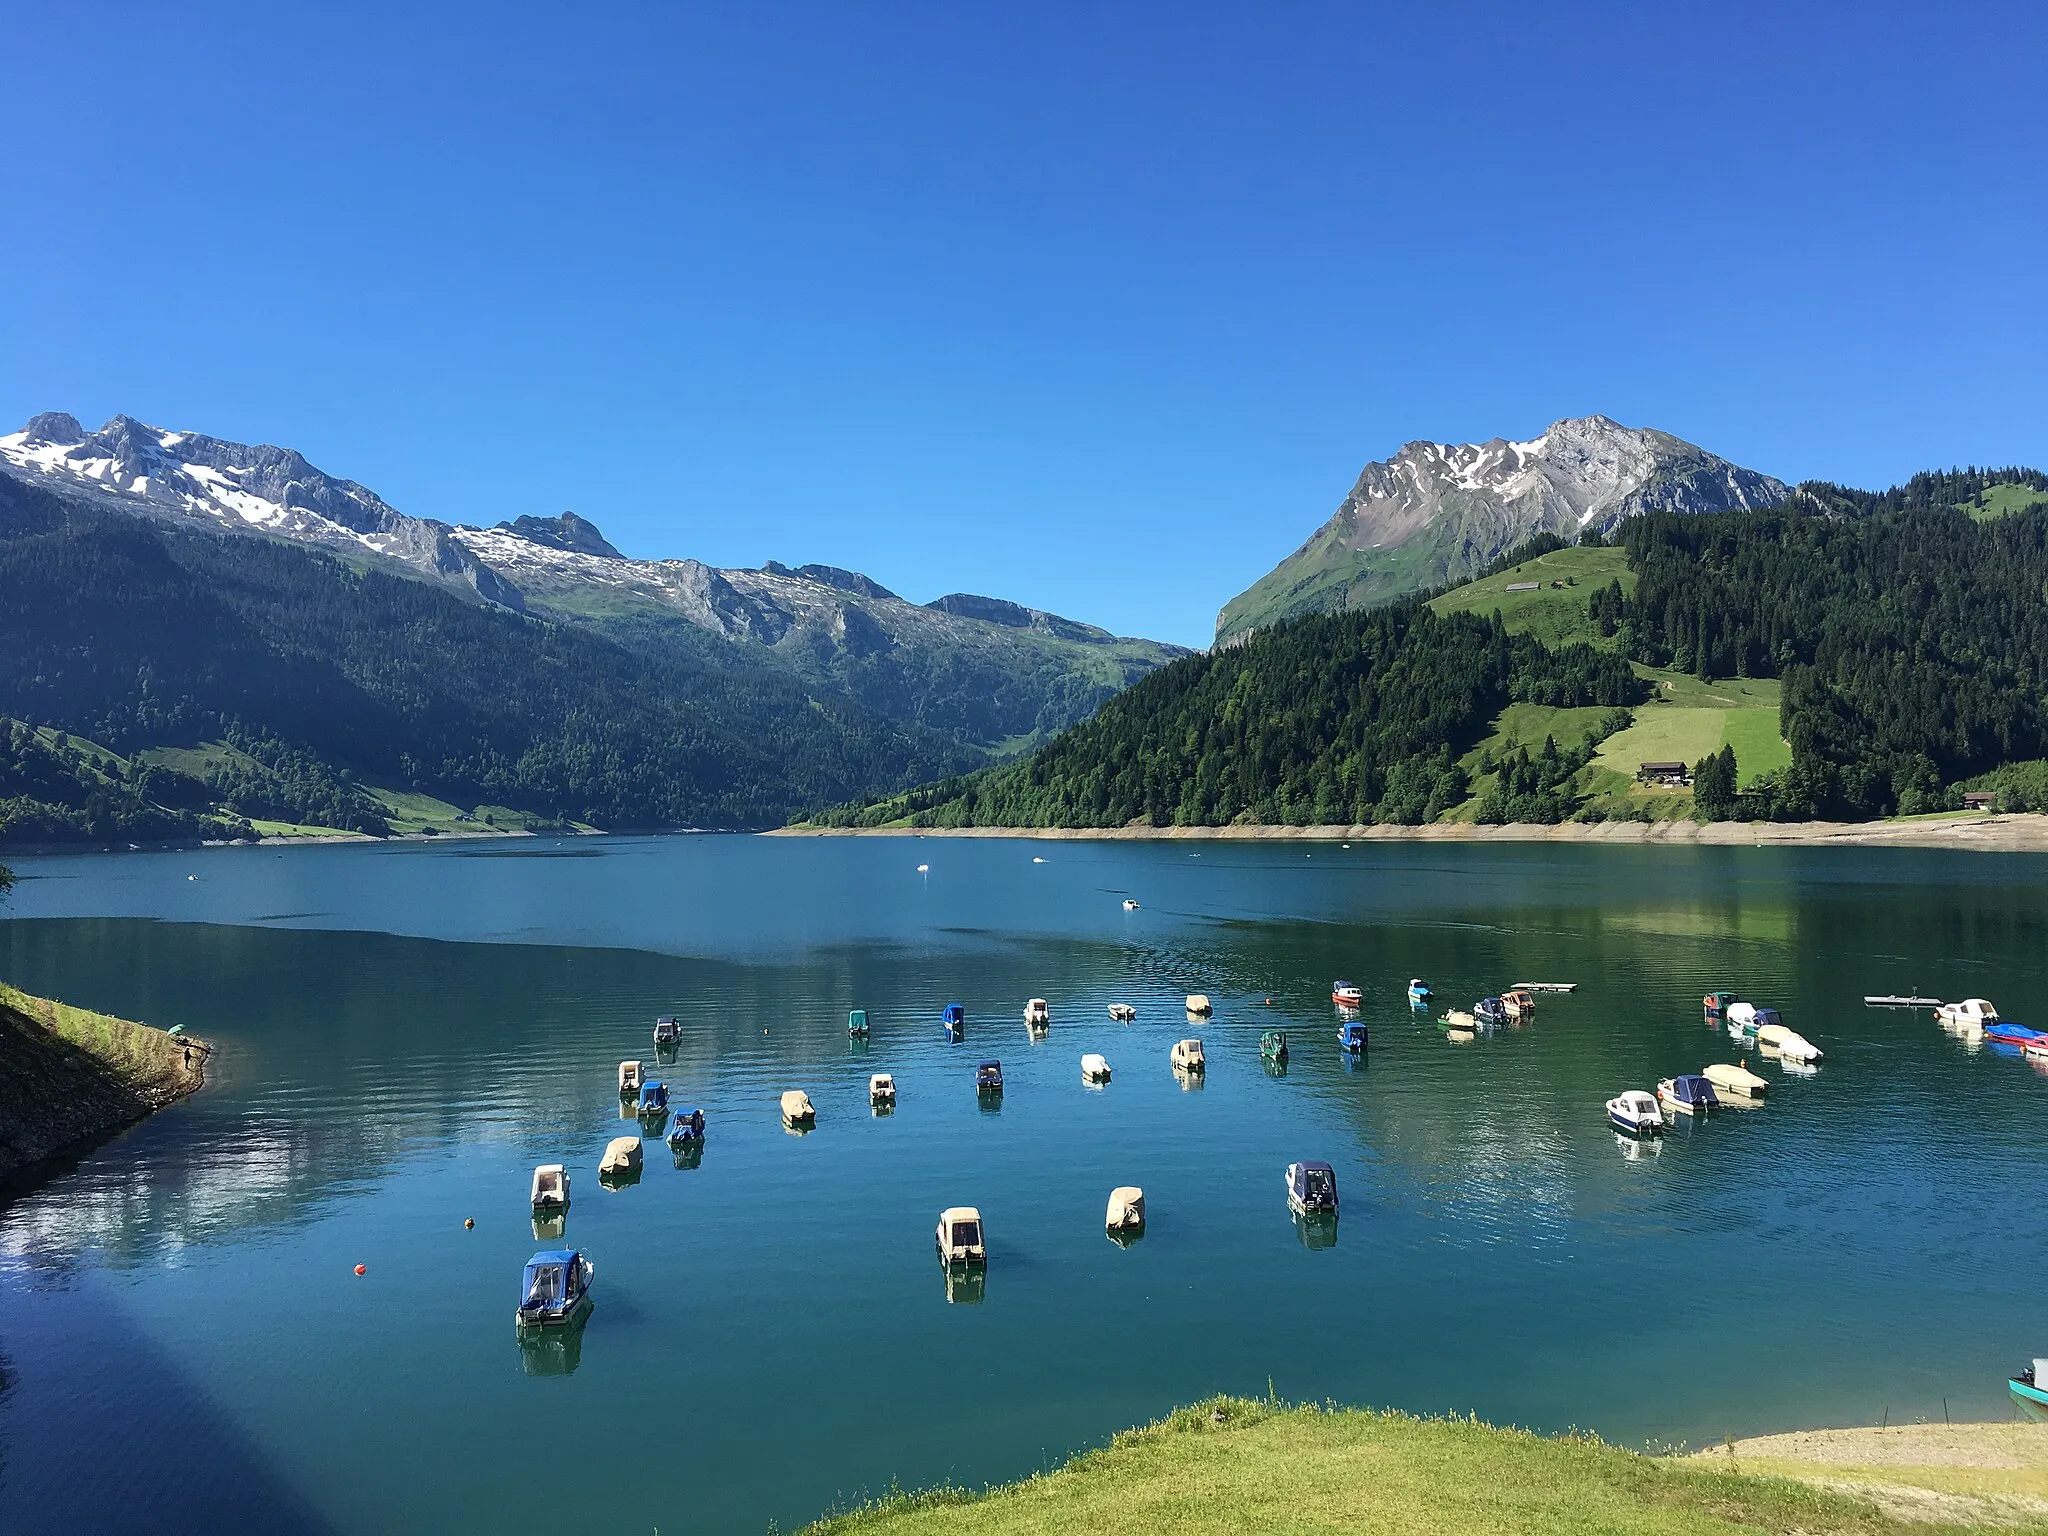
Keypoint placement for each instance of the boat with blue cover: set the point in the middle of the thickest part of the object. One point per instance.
(688, 1126)
(555, 1290)
(1312, 1187)
(668, 1034)
(1419, 994)
(954, 1018)
(1351, 1036)
(2006, 1033)
(988, 1078)
(653, 1099)
(1490, 1010)
(1689, 1094)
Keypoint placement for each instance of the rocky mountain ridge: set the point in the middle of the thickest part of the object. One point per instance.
(1437, 513)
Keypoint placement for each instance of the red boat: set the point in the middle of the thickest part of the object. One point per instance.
(1345, 995)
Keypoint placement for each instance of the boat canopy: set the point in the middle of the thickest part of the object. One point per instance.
(653, 1096)
(1315, 1184)
(1691, 1088)
(1764, 1017)
(857, 1021)
(989, 1075)
(1352, 1034)
(547, 1281)
(954, 1014)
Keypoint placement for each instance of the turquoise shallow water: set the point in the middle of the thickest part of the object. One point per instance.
(406, 1030)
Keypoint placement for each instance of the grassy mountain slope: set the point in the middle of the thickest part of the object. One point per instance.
(140, 636)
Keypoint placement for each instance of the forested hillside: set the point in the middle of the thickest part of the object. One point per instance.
(1902, 635)
(1353, 717)
(322, 678)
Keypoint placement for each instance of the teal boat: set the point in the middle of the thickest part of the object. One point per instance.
(1273, 1045)
(857, 1024)
(2029, 1393)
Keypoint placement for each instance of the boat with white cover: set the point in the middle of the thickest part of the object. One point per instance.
(797, 1108)
(1198, 1003)
(960, 1236)
(1635, 1112)
(621, 1155)
(1095, 1068)
(1126, 1209)
(1123, 1013)
(1738, 1081)
(881, 1088)
(1188, 1057)
(629, 1079)
(1036, 1014)
(1796, 1047)
(550, 1187)
(1970, 1013)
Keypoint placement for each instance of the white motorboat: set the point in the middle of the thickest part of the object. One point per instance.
(1198, 1003)
(1735, 1081)
(550, 1187)
(629, 1079)
(1188, 1057)
(1773, 1035)
(1795, 1047)
(960, 1236)
(1636, 1113)
(1688, 1094)
(1095, 1068)
(881, 1089)
(1971, 1014)
(1036, 1014)
(1123, 1013)
(1130, 905)
(621, 1155)
(797, 1108)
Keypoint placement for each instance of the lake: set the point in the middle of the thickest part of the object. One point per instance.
(404, 1031)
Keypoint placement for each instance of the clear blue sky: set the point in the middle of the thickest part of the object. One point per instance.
(1097, 307)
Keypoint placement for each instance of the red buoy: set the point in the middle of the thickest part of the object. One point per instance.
(362, 1269)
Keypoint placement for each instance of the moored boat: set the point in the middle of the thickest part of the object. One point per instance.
(2030, 1386)
(1738, 1081)
(1123, 1013)
(554, 1290)
(629, 1079)
(1793, 1046)
(653, 1100)
(954, 1018)
(960, 1236)
(1188, 1057)
(621, 1156)
(1036, 1014)
(2005, 1032)
(1198, 1003)
(688, 1126)
(667, 1032)
(1126, 1209)
(1636, 1113)
(857, 1024)
(1459, 1019)
(1419, 993)
(1490, 1010)
(797, 1109)
(1273, 1045)
(1689, 1094)
(550, 1187)
(1718, 1002)
(1312, 1187)
(1095, 1068)
(882, 1090)
(1970, 1013)
(1130, 905)
(988, 1078)
(1518, 1003)
(1352, 1036)
(1345, 995)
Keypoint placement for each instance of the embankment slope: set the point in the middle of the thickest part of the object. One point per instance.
(68, 1075)
(1236, 1466)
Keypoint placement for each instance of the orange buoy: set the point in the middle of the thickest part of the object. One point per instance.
(362, 1269)
(468, 1222)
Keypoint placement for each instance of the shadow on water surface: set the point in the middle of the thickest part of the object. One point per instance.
(62, 1409)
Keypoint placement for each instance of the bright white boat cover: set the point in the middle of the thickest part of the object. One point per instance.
(1738, 1080)
(622, 1155)
(1198, 1002)
(1188, 1053)
(1036, 1012)
(1739, 1013)
(1774, 1035)
(1094, 1067)
(796, 1105)
(629, 1077)
(1123, 1013)
(881, 1086)
(1971, 1010)
(1126, 1208)
(1798, 1048)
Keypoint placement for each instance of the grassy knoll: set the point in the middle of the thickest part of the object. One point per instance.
(1996, 501)
(1689, 718)
(1554, 615)
(68, 1074)
(1236, 1466)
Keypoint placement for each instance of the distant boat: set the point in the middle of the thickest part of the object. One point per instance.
(1130, 905)
(555, 1289)
(1345, 995)
(1351, 1036)
(550, 1187)
(1037, 860)
(1198, 1003)
(924, 869)
(1126, 1211)
(1188, 1057)
(621, 1156)
(1273, 1045)
(857, 1024)
(1095, 1068)
(797, 1109)
(653, 1100)
(2004, 1033)
(1123, 1013)
(1519, 1002)
(960, 1237)
(1312, 1187)
(687, 1127)
(1037, 1014)
(882, 1090)
(1489, 1010)
(988, 1078)
(1719, 1002)
(1796, 1047)
(1736, 1080)
(1636, 1113)
(1419, 993)
(667, 1031)
(1970, 1013)
(629, 1079)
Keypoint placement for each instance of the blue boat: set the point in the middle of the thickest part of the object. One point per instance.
(555, 1289)
(1490, 1010)
(1351, 1036)
(668, 1034)
(1312, 1187)
(988, 1077)
(954, 1018)
(2003, 1033)
(1419, 993)
(654, 1098)
(687, 1127)
(1689, 1094)
(857, 1024)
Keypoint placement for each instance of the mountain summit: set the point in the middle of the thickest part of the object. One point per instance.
(1436, 512)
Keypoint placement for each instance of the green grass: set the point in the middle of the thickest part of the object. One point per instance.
(1688, 692)
(137, 1052)
(2003, 501)
(1235, 1466)
(1554, 615)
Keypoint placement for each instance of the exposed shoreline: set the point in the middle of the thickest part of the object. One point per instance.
(69, 1077)
(1979, 830)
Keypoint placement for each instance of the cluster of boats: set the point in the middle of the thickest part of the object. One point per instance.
(1975, 1019)
(1637, 1112)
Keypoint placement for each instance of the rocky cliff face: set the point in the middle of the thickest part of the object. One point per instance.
(1436, 512)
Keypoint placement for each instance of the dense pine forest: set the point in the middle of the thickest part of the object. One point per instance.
(1909, 629)
(1348, 717)
(131, 636)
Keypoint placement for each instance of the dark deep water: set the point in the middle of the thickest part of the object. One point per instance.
(406, 1030)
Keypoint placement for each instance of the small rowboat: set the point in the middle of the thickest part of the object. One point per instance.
(1345, 995)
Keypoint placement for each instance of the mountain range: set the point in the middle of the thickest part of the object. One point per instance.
(991, 673)
(1437, 514)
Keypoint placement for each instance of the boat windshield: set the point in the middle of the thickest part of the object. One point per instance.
(1315, 1182)
(547, 1286)
(966, 1233)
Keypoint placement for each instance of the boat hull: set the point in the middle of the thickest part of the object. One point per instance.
(1630, 1127)
(2031, 1397)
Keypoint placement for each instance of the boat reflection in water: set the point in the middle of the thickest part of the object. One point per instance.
(1125, 1237)
(688, 1153)
(553, 1351)
(1316, 1229)
(1190, 1081)
(966, 1284)
(1276, 1066)
(1638, 1149)
(550, 1227)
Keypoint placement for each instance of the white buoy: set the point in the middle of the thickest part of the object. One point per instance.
(1038, 861)
(924, 869)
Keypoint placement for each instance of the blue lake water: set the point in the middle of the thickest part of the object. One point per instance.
(405, 1030)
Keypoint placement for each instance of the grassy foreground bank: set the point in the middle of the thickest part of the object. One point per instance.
(1232, 1465)
(68, 1074)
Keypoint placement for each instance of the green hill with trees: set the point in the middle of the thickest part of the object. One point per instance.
(1846, 654)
